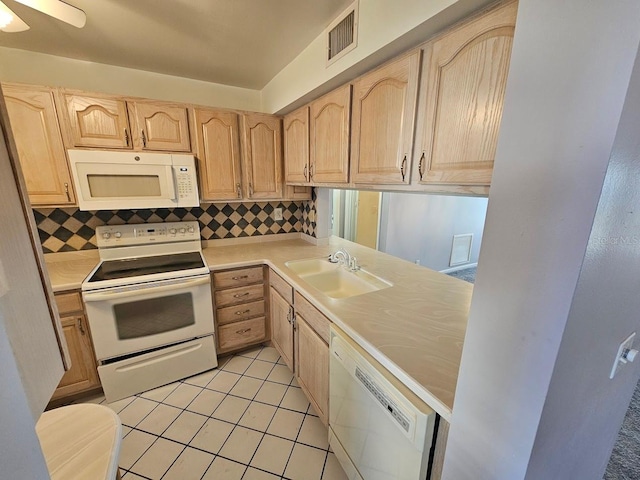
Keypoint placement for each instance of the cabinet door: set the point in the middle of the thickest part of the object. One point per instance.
(384, 107)
(83, 374)
(218, 150)
(281, 326)
(330, 126)
(296, 146)
(262, 156)
(97, 121)
(312, 366)
(160, 126)
(41, 153)
(464, 80)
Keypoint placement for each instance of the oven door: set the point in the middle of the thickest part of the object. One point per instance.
(131, 319)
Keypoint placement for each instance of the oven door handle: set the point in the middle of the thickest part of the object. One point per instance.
(102, 296)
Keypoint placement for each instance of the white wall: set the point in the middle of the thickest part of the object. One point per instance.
(385, 29)
(421, 227)
(42, 69)
(20, 453)
(581, 397)
(570, 67)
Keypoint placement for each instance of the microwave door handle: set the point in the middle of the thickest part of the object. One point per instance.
(171, 182)
(102, 296)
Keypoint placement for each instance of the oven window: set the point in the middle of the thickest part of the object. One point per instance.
(105, 186)
(144, 318)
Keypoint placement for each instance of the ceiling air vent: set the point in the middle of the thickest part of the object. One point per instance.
(342, 34)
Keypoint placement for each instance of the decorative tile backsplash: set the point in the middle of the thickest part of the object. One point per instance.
(70, 229)
(308, 226)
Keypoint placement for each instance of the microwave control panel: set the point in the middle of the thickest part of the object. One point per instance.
(184, 179)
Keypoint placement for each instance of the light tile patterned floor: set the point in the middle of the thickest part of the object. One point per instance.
(248, 419)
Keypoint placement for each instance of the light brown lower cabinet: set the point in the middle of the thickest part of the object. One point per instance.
(240, 308)
(83, 374)
(300, 333)
(312, 366)
(281, 326)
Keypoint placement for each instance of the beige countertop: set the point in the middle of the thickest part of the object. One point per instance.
(415, 328)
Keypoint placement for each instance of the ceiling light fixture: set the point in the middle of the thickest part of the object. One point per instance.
(9, 21)
(58, 9)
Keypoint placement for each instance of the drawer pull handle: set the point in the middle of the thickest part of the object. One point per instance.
(244, 330)
(242, 277)
(242, 312)
(240, 295)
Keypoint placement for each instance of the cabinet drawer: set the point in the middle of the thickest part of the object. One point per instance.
(239, 334)
(281, 286)
(235, 278)
(240, 312)
(68, 302)
(316, 320)
(234, 296)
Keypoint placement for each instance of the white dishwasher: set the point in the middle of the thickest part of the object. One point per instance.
(378, 428)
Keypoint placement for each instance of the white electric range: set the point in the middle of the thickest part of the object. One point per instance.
(149, 306)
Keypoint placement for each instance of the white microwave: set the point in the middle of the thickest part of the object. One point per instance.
(107, 180)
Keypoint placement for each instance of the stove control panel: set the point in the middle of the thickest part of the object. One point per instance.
(146, 233)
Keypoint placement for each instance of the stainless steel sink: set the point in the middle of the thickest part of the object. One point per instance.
(335, 280)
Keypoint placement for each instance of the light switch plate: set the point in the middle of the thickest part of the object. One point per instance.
(277, 214)
(625, 345)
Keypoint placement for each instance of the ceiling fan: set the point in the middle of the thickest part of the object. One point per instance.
(10, 22)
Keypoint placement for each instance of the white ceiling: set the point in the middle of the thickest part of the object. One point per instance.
(244, 43)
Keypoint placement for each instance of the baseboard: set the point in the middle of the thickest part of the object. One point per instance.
(459, 267)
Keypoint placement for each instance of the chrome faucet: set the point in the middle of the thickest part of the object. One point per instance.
(341, 256)
(344, 258)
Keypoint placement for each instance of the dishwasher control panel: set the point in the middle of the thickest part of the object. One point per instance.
(383, 399)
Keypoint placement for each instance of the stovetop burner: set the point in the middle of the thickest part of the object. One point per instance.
(136, 267)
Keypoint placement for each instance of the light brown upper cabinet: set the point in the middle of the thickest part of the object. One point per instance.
(329, 132)
(262, 155)
(42, 156)
(111, 122)
(384, 108)
(160, 126)
(464, 80)
(96, 121)
(296, 146)
(218, 150)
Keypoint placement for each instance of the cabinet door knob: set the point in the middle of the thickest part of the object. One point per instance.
(238, 190)
(80, 326)
(144, 139)
(66, 190)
